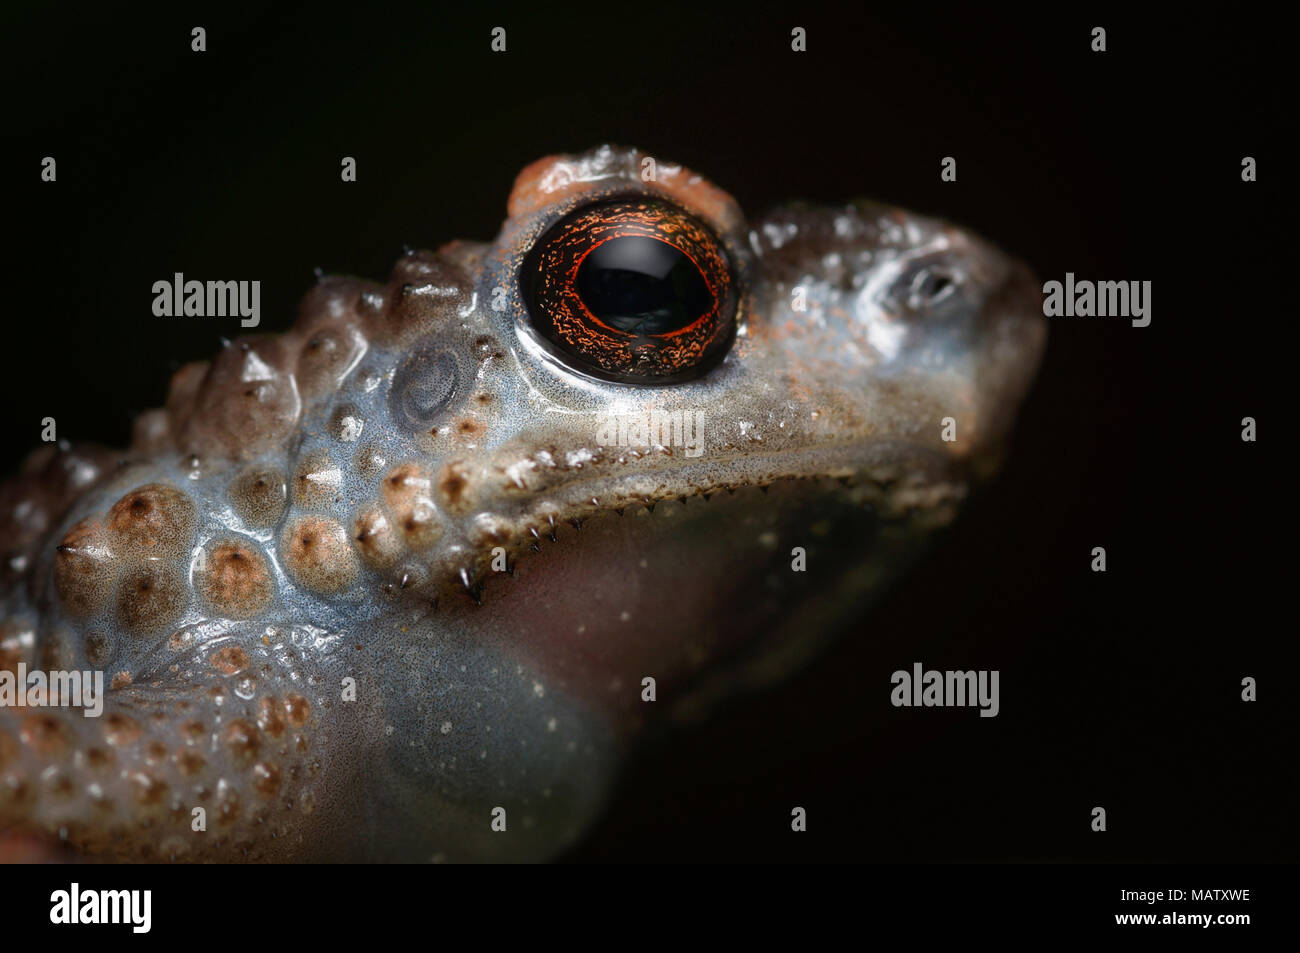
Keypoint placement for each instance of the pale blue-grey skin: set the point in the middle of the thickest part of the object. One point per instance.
(478, 690)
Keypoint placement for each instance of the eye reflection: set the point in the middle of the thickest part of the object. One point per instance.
(632, 290)
(642, 286)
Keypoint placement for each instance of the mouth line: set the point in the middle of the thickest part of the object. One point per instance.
(898, 481)
(895, 469)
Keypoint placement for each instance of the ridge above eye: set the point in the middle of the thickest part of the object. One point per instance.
(635, 290)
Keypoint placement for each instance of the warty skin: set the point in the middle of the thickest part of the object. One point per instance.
(320, 509)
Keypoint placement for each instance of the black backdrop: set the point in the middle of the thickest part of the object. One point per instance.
(1120, 690)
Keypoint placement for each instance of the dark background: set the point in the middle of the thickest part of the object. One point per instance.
(1118, 689)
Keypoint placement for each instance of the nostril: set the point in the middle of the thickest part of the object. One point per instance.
(933, 285)
(930, 287)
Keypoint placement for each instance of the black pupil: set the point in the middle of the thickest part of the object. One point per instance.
(935, 285)
(642, 286)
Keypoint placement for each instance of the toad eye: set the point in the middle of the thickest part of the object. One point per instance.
(633, 290)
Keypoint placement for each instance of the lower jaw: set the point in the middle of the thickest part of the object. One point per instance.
(706, 596)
